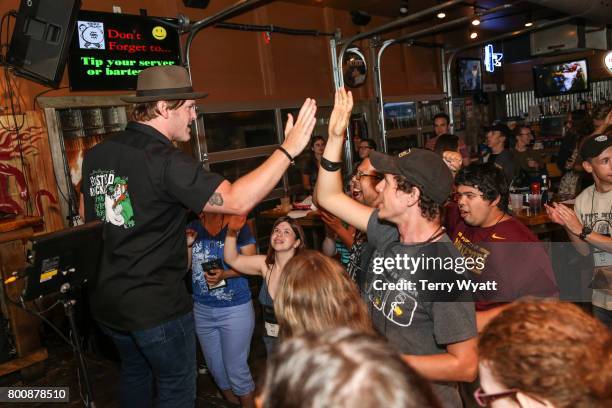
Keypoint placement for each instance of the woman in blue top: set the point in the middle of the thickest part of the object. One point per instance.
(286, 240)
(222, 308)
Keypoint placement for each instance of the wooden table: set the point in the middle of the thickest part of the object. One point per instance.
(312, 218)
(13, 235)
(539, 223)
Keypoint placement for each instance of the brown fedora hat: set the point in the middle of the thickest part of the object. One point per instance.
(163, 83)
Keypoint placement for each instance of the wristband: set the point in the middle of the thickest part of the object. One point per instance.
(330, 165)
(585, 232)
(282, 149)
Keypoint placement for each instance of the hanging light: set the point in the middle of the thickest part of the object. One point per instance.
(473, 34)
(403, 7)
(528, 20)
(475, 20)
(441, 15)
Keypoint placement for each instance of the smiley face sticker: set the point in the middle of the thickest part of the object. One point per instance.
(159, 32)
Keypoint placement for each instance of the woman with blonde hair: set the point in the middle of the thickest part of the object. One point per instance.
(315, 294)
(286, 240)
(545, 355)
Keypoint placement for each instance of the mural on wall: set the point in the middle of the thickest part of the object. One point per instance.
(24, 171)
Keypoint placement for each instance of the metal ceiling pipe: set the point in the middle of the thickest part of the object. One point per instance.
(222, 15)
(339, 78)
(431, 30)
(597, 11)
(451, 24)
(392, 25)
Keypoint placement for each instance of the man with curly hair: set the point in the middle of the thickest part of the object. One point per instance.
(545, 355)
(435, 332)
(485, 229)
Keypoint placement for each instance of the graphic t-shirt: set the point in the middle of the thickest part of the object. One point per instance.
(141, 186)
(513, 257)
(594, 209)
(411, 320)
(207, 248)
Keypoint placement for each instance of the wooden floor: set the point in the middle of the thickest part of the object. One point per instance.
(61, 370)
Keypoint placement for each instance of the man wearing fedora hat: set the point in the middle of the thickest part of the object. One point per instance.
(434, 330)
(139, 296)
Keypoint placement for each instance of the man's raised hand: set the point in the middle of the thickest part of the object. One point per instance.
(339, 119)
(297, 135)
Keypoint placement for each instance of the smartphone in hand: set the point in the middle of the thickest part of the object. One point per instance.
(210, 266)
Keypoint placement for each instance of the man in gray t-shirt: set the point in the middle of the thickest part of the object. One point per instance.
(413, 320)
(435, 329)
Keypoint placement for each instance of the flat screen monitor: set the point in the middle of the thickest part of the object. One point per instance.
(68, 256)
(108, 50)
(561, 78)
(469, 75)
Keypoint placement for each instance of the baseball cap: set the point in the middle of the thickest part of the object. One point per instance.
(502, 128)
(422, 167)
(594, 145)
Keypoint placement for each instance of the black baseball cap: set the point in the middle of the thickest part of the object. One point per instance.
(422, 167)
(502, 128)
(594, 145)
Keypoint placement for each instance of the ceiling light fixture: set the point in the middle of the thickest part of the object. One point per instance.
(528, 20)
(473, 35)
(476, 20)
(403, 7)
(441, 15)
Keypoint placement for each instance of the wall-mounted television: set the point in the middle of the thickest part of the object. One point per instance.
(561, 78)
(108, 50)
(469, 75)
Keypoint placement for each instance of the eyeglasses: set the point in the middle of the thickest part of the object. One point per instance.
(357, 176)
(470, 196)
(484, 400)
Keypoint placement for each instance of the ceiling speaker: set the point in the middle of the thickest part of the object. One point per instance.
(196, 3)
(360, 18)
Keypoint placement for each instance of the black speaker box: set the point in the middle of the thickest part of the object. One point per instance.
(196, 3)
(41, 39)
(360, 18)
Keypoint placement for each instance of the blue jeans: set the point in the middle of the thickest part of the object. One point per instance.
(225, 337)
(165, 353)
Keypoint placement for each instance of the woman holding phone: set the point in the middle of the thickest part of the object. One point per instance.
(286, 240)
(222, 307)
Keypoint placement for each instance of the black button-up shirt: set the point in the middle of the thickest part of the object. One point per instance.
(141, 186)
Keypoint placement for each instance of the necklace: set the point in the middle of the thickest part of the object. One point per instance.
(499, 219)
(435, 234)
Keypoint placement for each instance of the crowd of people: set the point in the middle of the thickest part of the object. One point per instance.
(444, 299)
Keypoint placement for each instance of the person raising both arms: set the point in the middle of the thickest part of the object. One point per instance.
(286, 240)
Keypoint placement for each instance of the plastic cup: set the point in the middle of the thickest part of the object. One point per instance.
(516, 202)
(535, 203)
(285, 204)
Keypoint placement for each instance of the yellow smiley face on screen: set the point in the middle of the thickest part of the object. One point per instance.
(159, 32)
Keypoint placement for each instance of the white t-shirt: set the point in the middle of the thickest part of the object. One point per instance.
(594, 210)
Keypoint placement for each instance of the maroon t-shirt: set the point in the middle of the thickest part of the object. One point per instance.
(513, 257)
